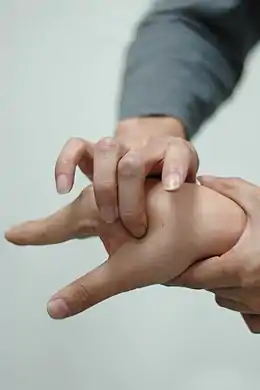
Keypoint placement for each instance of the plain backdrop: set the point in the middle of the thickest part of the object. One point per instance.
(60, 71)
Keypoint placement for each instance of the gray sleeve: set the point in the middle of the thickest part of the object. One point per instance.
(186, 59)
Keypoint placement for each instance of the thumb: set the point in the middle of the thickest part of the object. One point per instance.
(131, 267)
(75, 220)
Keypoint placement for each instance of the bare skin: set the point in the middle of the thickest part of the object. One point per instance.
(118, 166)
(145, 147)
(184, 227)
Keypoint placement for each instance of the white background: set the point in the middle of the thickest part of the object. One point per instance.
(59, 75)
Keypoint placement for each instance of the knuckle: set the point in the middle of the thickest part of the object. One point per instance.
(238, 181)
(130, 124)
(181, 146)
(105, 188)
(106, 144)
(243, 187)
(154, 139)
(155, 142)
(228, 185)
(176, 141)
(170, 140)
(75, 146)
(72, 148)
(84, 296)
(75, 141)
(234, 183)
(130, 166)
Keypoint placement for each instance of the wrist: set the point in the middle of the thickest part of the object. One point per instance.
(141, 129)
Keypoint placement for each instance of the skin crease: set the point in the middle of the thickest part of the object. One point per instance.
(119, 165)
(184, 227)
(190, 225)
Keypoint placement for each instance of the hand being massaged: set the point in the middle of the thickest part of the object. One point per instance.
(184, 227)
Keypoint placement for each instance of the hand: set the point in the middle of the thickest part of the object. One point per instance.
(130, 265)
(80, 220)
(234, 277)
(184, 227)
(142, 147)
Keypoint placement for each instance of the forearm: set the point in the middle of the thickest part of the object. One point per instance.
(185, 61)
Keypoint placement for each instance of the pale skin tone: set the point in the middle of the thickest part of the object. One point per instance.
(185, 227)
(144, 147)
(119, 166)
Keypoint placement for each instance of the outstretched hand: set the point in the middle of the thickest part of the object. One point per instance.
(131, 264)
(184, 227)
(80, 219)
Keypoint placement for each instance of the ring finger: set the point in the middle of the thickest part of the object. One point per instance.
(75, 152)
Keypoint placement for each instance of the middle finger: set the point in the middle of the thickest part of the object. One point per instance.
(106, 156)
(133, 169)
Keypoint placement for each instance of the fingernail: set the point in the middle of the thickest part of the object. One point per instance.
(63, 184)
(173, 181)
(108, 214)
(58, 309)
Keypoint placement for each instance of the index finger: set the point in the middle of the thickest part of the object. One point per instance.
(76, 152)
(61, 226)
(47, 231)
